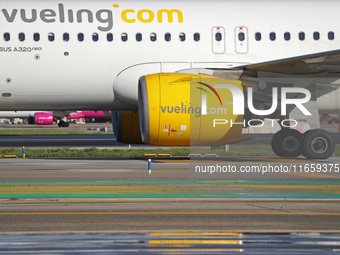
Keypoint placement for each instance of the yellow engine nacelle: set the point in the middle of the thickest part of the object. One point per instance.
(128, 130)
(181, 110)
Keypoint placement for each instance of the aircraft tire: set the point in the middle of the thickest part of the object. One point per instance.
(63, 124)
(287, 143)
(317, 144)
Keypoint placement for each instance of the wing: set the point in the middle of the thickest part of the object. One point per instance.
(307, 64)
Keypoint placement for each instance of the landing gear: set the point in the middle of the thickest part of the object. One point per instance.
(317, 144)
(314, 144)
(63, 124)
(287, 143)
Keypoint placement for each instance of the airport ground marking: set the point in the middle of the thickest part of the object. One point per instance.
(170, 195)
(150, 189)
(195, 234)
(171, 213)
(174, 182)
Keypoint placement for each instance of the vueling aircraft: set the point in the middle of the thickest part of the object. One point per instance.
(179, 72)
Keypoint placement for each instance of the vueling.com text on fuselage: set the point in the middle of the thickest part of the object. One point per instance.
(62, 14)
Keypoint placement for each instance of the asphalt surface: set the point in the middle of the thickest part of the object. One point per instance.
(116, 206)
(101, 140)
(169, 215)
(51, 195)
(172, 243)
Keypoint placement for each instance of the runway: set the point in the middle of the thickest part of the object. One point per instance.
(66, 215)
(103, 140)
(52, 195)
(172, 243)
(253, 205)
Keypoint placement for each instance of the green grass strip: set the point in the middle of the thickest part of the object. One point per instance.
(171, 195)
(235, 150)
(92, 152)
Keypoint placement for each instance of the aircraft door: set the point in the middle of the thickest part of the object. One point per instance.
(241, 40)
(218, 40)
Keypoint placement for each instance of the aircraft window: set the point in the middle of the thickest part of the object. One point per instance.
(109, 37)
(80, 37)
(7, 37)
(66, 37)
(182, 37)
(241, 36)
(6, 94)
(36, 37)
(302, 36)
(124, 37)
(51, 37)
(197, 37)
(21, 37)
(286, 36)
(316, 36)
(153, 37)
(218, 36)
(95, 37)
(272, 36)
(139, 37)
(258, 36)
(331, 36)
(167, 37)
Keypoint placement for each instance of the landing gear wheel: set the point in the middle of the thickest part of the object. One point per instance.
(317, 144)
(63, 124)
(287, 143)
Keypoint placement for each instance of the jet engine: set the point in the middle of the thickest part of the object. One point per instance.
(43, 118)
(177, 109)
(126, 127)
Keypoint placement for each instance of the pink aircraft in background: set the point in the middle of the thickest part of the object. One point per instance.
(46, 118)
(89, 114)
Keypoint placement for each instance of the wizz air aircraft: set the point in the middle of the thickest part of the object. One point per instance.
(46, 118)
(179, 72)
(38, 118)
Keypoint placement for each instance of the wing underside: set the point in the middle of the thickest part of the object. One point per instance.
(308, 64)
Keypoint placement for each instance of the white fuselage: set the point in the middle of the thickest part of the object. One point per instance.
(103, 74)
